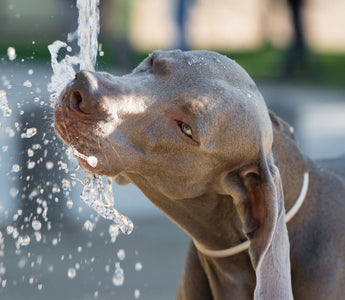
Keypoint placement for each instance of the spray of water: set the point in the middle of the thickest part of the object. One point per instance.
(95, 194)
(29, 229)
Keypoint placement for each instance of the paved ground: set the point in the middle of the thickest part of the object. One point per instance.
(39, 270)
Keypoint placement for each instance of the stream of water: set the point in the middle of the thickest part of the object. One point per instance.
(96, 194)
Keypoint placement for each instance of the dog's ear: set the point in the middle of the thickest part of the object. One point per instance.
(258, 197)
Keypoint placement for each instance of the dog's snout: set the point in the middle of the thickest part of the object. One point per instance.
(82, 93)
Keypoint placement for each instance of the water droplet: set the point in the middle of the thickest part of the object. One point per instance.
(6, 111)
(138, 266)
(15, 168)
(2, 270)
(30, 152)
(38, 236)
(92, 161)
(136, 294)
(30, 132)
(118, 278)
(71, 273)
(88, 225)
(49, 165)
(30, 71)
(66, 185)
(30, 164)
(27, 83)
(55, 189)
(36, 225)
(40, 286)
(121, 254)
(114, 232)
(69, 204)
(24, 240)
(9, 229)
(11, 53)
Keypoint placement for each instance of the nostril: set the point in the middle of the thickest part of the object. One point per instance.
(76, 100)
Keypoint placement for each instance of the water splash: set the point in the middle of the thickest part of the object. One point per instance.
(6, 111)
(95, 194)
(87, 33)
(100, 198)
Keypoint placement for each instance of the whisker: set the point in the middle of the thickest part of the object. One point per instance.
(115, 151)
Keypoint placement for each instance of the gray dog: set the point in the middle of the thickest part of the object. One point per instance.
(192, 131)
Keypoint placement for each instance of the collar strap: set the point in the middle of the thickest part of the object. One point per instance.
(245, 245)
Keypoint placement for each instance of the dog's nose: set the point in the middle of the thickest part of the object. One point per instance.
(82, 97)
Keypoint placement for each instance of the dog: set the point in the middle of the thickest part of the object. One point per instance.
(192, 131)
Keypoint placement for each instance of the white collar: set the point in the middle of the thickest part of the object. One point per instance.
(245, 245)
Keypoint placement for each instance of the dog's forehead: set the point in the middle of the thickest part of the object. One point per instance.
(204, 65)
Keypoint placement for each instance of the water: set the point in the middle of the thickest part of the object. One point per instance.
(30, 132)
(87, 33)
(121, 254)
(99, 196)
(6, 111)
(91, 160)
(119, 277)
(95, 194)
(71, 273)
(30, 240)
(11, 53)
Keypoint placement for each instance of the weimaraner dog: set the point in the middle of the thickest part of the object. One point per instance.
(192, 131)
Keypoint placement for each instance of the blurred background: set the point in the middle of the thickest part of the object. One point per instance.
(294, 50)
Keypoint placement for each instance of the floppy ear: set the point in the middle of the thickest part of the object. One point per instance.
(259, 200)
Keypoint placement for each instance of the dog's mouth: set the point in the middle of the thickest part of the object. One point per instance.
(80, 134)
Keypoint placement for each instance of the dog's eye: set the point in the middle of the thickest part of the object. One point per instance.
(186, 129)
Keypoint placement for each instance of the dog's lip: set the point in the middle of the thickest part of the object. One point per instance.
(59, 130)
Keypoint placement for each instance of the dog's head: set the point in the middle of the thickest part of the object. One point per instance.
(181, 125)
(178, 119)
